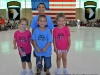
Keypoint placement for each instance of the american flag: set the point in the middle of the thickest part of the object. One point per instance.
(68, 7)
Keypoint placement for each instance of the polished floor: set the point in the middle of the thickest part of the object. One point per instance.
(83, 57)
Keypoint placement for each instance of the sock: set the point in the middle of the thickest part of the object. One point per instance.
(58, 68)
(24, 69)
(30, 69)
(65, 68)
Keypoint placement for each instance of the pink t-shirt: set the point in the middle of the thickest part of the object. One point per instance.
(61, 37)
(23, 40)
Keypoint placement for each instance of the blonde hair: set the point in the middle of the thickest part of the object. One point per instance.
(60, 15)
(23, 19)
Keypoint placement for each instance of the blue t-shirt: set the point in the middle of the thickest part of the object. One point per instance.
(42, 37)
(34, 23)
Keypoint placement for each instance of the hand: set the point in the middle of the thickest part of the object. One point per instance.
(38, 50)
(55, 50)
(15, 47)
(44, 49)
(67, 49)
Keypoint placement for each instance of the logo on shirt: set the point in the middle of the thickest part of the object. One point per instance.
(41, 37)
(60, 36)
(22, 39)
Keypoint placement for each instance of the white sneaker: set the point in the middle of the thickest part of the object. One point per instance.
(58, 72)
(23, 72)
(65, 72)
(30, 72)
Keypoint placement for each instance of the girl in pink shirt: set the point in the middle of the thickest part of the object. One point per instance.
(21, 41)
(61, 36)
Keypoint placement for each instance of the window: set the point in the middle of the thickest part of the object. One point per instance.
(3, 3)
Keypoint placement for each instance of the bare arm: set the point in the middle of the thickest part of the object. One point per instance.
(49, 41)
(35, 46)
(32, 30)
(32, 40)
(51, 31)
(69, 43)
(14, 43)
(48, 44)
(55, 48)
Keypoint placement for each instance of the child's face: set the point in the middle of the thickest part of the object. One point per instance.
(42, 22)
(23, 25)
(61, 21)
(41, 9)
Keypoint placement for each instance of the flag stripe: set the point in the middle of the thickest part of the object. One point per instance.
(55, 13)
(63, 9)
(55, 17)
(66, 17)
(62, 5)
(62, 0)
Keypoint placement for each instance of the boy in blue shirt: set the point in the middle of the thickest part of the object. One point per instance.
(42, 39)
(41, 7)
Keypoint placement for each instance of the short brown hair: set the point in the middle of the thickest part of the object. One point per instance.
(42, 16)
(42, 4)
(23, 19)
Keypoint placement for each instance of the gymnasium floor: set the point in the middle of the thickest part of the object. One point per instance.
(83, 57)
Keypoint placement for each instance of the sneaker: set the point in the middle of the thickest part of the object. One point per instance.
(23, 72)
(30, 72)
(58, 72)
(65, 72)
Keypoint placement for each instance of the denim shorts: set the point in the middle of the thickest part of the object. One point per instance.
(26, 58)
(47, 61)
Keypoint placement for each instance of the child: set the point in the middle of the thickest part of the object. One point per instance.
(42, 40)
(61, 35)
(22, 38)
(41, 7)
